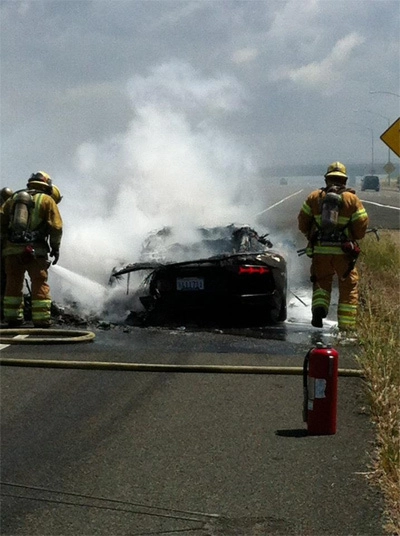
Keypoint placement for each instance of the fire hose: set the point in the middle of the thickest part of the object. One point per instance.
(50, 336)
(74, 336)
(161, 367)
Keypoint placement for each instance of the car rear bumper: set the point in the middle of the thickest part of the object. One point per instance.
(197, 301)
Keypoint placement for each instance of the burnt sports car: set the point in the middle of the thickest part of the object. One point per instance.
(224, 271)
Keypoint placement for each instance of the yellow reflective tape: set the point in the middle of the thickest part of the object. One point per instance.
(35, 219)
(12, 300)
(40, 315)
(346, 321)
(13, 313)
(41, 305)
(306, 208)
(320, 301)
(328, 250)
(347, 308)
(362, 213)
(321, 291)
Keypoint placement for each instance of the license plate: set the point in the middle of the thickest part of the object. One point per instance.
(189, 283)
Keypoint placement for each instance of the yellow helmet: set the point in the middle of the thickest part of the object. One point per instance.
(335, 171)
(56, 194)
(40, 176)
(40, 181)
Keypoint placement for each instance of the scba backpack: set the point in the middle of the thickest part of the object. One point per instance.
(330, 206)
(19, 231)
(329, 231)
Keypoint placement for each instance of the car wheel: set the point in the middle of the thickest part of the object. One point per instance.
(279, 312)
(283, 312)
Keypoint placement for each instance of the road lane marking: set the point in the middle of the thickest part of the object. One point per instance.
(279, 202)
(2, 346)
(380, 204)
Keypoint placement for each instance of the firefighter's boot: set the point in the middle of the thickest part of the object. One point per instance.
(317, 315)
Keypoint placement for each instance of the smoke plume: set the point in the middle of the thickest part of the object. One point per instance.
(173, 166)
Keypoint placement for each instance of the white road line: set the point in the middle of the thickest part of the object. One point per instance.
(279, 202)
(380, 204)
(2, 346)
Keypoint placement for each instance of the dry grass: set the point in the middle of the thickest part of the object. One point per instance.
(378, 331)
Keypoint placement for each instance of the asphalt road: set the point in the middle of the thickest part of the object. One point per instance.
(132, 453)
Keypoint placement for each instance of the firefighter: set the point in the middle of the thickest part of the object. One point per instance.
(333, 219)
(31, 229)
(5, 194)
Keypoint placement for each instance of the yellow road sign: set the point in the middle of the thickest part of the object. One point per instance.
(389, 168)
(391, 137)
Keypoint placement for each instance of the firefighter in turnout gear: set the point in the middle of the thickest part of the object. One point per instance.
(31, 230)
(5, 194)
(333, 219)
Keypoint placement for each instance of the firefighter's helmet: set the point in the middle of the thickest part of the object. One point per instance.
(56, 194)
(5, 194)
(40, 181)
(336, 172)
(41, 176)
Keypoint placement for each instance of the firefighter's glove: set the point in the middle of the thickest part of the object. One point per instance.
(351, 248)
(56, 254)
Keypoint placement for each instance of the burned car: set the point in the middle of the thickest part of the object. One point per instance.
(226, 271)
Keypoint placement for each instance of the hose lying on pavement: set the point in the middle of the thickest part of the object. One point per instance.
(160, 367)
(52, 336)
(16, 336)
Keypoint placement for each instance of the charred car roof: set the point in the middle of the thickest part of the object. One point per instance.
(210, 244)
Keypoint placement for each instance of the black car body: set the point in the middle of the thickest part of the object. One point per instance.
(370, 182)
(240, 275)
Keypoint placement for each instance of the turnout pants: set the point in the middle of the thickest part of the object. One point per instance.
(37, 269)
(323, 270)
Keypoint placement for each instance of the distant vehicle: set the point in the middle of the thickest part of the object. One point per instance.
(370, 182)
(283, 181)
(229, 271)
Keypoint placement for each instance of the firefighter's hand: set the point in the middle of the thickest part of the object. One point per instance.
(56, 254)
(351, 248)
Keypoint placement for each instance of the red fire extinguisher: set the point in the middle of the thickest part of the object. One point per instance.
(320, 382)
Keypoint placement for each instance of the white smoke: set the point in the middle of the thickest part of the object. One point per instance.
(174, 166)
